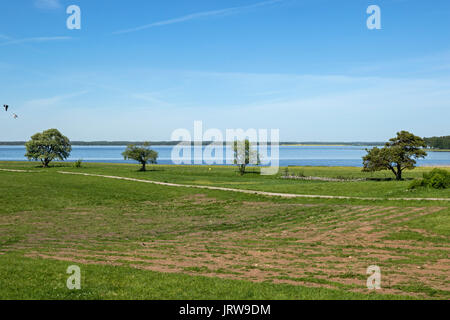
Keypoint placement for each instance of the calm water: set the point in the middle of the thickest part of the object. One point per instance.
(289, 155)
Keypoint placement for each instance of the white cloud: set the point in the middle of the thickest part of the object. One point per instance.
(53, 100)
(47, 4)
(198, 15)
(151, 98)
(35, 40)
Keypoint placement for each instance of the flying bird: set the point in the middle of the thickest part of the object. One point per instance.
(15, 116)
(6, 107)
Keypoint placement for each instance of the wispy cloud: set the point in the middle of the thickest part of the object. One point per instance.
(54, 100)
(198, 15)
(34, 40)
(47, 4)
(151, 98)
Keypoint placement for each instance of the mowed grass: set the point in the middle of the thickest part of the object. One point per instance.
(142, 241)
(26, 278)
(380, 184)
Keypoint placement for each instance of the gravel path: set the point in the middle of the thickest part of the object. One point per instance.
(264, 193)
(13, 170)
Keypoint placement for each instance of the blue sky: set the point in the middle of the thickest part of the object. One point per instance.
(139, 69)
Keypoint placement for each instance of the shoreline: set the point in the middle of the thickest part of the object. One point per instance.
(122, 162)
(321, 145)
(438, 150)
(281, 145)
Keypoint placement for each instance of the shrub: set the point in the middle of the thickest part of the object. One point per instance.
(301, 174)
(437, 179)
(78, 163)
(416, 183)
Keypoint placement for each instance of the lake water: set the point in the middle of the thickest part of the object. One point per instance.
(289, 155)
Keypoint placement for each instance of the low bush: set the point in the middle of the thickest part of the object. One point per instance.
(78, 163)
(437, 179)
(416, 183)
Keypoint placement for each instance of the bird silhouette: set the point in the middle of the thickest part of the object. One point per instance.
(15, 116)
(6, 107)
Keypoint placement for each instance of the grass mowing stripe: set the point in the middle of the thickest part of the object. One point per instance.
(27, 278)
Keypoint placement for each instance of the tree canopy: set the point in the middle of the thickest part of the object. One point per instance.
(47, 146)
(142, 154)
(399, 154)
(244, 155)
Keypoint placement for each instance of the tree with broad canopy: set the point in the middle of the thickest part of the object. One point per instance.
(142, 154)
(47, 146)
(399, 154)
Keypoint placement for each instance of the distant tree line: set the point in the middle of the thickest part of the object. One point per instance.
(172, 143)
(100, 143)
(12, 143)
(122, 143)
(355, 143)
(438, 142)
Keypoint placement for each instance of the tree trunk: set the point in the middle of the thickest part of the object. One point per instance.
(45, 163)
(393, 171)
(143, 167)
(242, 169)
(399, 174)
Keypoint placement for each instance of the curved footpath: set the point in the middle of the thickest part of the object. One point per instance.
(264, 193)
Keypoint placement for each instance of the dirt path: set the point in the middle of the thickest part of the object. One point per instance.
(13, 170)
(264, 193)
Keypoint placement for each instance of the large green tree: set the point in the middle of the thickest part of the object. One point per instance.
(244, 155)
(142, 154)
(399, 154)
(47, 146)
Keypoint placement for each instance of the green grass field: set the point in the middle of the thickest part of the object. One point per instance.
(134, 240)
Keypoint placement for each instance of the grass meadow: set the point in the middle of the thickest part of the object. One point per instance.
(135, 240)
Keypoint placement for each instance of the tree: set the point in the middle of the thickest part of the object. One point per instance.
(48, 146)
(141, 154)
(244, 155)
(399, 154)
